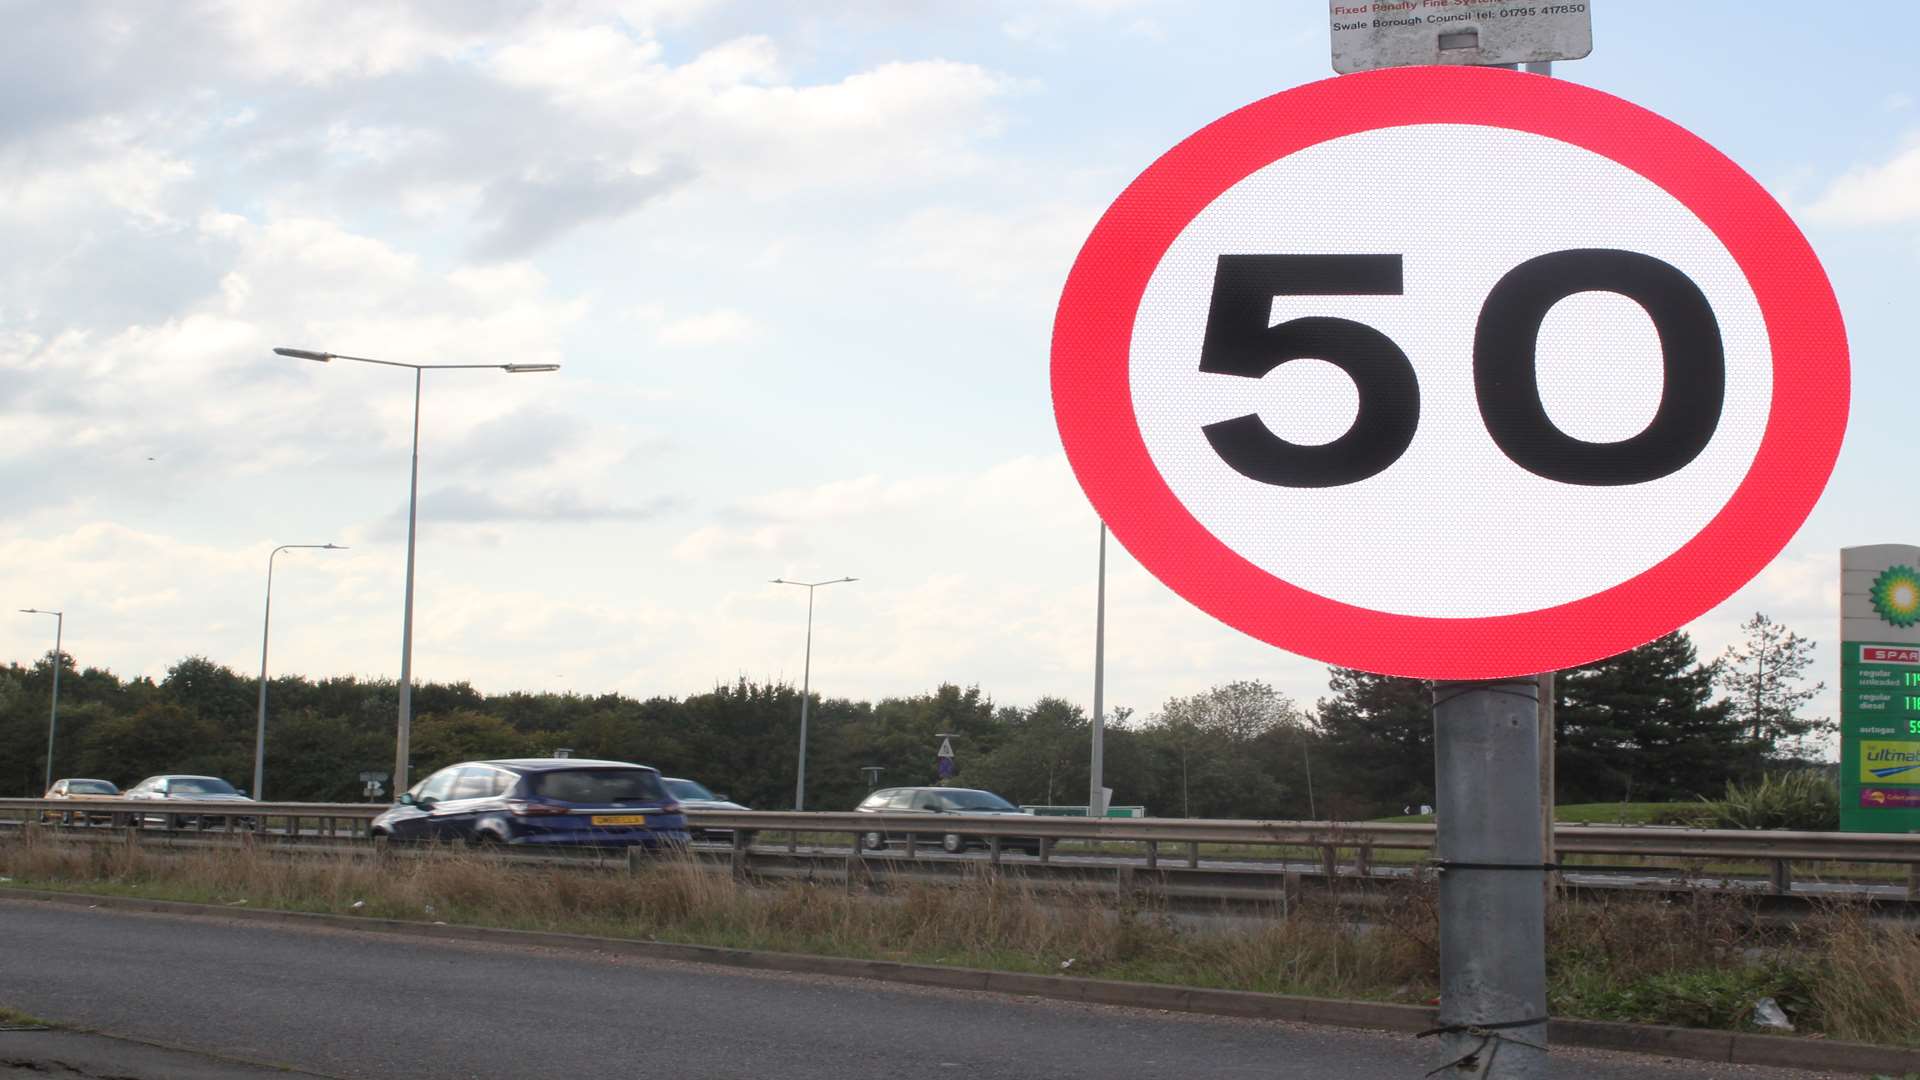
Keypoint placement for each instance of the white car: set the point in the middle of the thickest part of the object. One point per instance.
(187, 789)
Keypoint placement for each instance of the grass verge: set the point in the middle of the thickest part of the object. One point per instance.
(14, 1018)
(1698, 963)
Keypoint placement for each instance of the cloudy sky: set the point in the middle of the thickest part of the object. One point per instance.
(799, 262)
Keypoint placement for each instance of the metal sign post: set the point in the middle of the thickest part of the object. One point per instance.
(1493, 970)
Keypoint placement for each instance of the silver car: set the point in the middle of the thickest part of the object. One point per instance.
(696, 796)
(935, 801)
(187, 788)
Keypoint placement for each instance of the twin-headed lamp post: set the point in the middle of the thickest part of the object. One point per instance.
(413, 502)
(806, 672)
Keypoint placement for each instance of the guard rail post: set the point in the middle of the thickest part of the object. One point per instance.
(1329, 862)
(1153, 854)
(1781, 877)
(1913, 881)
(1193, 855)
(913, 851)
(1363, 861)
(737, 861)
(993, 850)
(1046, 849)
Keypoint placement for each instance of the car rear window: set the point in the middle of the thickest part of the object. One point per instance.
(598, 785)
(90, 787)
(687, 789)
(963, 800)
(199, 785)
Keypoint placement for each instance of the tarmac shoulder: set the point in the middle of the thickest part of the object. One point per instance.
(57, 1054)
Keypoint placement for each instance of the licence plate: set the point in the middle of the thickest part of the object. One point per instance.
(619, 819)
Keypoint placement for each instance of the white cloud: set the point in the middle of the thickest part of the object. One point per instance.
(992, 253)
(1887, 193)
(722, 326)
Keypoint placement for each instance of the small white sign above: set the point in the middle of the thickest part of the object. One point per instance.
(1369, 34)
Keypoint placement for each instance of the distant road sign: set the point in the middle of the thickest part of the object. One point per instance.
(1449, 372)
(1369, 34)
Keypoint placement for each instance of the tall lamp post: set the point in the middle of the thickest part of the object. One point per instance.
(413, 503)
(266, 623)
(806, 673)
(53, 714)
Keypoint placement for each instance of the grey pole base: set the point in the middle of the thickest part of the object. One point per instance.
(1486, 749)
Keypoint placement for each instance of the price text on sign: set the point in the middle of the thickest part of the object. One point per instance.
(1451, 373)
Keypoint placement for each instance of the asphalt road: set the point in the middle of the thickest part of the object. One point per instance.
(346, 1004)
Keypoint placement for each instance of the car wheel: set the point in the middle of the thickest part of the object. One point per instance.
(953, 843)
(873, 841)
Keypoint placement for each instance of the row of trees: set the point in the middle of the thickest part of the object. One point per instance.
(1645, 725)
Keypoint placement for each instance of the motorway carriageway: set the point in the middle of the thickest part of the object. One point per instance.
(347, 1003)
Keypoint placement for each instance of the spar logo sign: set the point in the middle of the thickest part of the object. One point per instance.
(1449, 372)
(1889, 654)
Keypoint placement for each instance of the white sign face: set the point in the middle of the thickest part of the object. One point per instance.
(1450, 373)
(1600, 370)
(1370, 34)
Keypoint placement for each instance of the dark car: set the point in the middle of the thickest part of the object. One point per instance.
(177, 787)
(697, 796)
(81, 790)
(934, 801)
(539, 802)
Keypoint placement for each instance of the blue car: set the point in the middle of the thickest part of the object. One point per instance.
(539, 802)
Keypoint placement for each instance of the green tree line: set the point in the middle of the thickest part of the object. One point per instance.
(1643, 725)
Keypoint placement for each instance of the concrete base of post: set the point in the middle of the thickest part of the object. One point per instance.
(1487, 844)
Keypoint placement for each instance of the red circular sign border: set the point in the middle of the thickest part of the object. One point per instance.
(1093, 403)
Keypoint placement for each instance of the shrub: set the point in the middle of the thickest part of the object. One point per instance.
(1806, 799)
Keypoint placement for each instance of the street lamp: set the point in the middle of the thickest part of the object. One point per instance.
(53, 714)
(266, 622)
(806, 673)
(413, 502)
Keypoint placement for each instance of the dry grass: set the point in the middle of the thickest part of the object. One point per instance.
(1869, 987)
(1700, 963)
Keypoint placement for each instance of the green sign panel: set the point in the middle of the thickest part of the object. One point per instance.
(1879, 737)
(1880, 689)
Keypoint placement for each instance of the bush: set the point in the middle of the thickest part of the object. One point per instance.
(1806, 799)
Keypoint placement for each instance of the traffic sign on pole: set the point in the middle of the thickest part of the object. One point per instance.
(1451, 373)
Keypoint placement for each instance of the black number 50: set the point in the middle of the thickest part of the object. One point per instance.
(1506, 383)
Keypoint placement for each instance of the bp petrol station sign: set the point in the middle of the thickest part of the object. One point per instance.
(1451, 373)
(1880, 688)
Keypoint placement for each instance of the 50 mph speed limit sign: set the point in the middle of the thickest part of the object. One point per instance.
(1449, 372)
